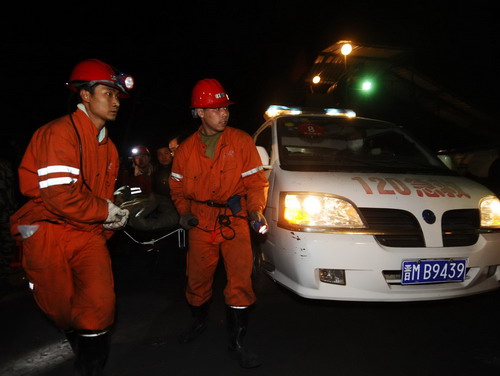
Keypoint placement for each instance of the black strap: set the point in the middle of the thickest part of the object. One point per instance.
(212, 204)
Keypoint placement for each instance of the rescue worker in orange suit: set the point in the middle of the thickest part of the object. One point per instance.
(217, 184)
(68, 174)
(139, 175)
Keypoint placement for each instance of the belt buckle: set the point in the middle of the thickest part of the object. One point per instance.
(214, 204)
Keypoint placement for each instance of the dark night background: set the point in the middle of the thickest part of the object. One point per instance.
(254, 48)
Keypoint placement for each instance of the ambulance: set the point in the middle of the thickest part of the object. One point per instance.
(359, 210)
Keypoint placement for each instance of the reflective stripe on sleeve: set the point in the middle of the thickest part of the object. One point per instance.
(59, 180)
(56, 181)
(53, 169)
(176, 177)
(252, 171)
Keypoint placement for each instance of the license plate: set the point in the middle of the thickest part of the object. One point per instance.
(433, 271)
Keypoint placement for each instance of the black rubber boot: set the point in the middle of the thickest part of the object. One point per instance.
(72, 338)
(200, 316)
(93, 349)
(237, 323)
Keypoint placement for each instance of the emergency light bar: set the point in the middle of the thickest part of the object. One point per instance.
(278, 110)
(337, 112)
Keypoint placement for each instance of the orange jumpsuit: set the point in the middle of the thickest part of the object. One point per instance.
(66, 259)
(235, 170)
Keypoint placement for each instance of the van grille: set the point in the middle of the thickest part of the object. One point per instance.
(460, 227)
(399, 228)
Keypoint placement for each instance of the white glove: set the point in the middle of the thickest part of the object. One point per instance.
(117, 218)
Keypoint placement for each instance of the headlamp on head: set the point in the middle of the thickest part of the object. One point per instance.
(139, 150)
(124, 81)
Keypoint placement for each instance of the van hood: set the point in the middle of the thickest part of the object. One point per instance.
(398, 191)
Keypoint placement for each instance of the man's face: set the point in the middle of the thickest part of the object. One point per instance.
(164, 156)
(142, 161)
(172, 146)
(213, 120)
(102, 105)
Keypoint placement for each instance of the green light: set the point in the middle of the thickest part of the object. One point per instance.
(366, 86)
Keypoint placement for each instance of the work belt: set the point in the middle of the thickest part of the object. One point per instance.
(212, 204)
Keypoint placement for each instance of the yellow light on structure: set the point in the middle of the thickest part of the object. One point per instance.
(316, 79)
(346, 49)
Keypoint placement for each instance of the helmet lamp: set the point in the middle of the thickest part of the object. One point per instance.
(125, 81)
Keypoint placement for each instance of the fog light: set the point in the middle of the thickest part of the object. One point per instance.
(334, 276)
(492, 269)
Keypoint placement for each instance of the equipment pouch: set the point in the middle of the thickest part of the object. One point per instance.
(234, 204)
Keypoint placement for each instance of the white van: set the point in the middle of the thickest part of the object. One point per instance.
(359, 210)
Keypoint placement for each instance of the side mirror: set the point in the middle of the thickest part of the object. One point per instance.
(446, 159)
(264, 157)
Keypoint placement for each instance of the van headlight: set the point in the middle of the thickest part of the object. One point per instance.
(317, 212)
(490, 212)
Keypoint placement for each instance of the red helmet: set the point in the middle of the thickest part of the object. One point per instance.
(139, 150)
(209, 93)
(93, 71)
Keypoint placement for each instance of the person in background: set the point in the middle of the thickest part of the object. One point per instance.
(162, 172)
(173, 144)
(68, 173)
(139, 176)
(143, 190)
(217, 185)
(165, 154)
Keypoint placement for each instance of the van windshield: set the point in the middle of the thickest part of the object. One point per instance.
(326, 143)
